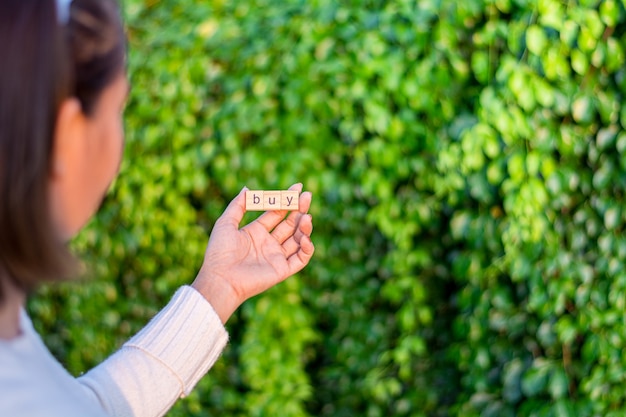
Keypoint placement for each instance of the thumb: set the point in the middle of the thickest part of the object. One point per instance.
(236, 209)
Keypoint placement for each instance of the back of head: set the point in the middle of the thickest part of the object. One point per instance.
(45, 61)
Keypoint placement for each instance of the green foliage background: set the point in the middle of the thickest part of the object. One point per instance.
(468, 165)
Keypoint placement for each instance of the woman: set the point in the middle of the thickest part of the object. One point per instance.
(62, 92)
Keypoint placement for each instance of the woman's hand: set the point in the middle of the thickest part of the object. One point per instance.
(241, 263)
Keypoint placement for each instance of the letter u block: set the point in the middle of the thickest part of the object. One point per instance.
(271, 200)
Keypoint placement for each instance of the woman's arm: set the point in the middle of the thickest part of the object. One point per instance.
(165, 360)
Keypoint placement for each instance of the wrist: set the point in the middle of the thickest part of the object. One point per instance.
(219, 293)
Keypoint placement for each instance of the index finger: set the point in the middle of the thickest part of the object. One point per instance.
(235, 210)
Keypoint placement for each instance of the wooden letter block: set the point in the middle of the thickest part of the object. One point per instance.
(254, 200)
(259, 200)
(289, 200)
(271, 200)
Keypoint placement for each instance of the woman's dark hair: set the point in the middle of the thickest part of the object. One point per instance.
(45, 61)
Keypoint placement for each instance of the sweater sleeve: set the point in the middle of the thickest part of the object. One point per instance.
(163, 362)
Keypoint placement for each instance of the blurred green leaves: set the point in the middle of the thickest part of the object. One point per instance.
(468, 171)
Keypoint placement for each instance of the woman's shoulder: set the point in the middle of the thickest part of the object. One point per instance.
(33, 383)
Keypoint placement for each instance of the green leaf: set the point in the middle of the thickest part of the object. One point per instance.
(536, 39)
(534, 381)
(559, 383)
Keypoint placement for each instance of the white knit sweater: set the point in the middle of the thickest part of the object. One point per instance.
(162, 363)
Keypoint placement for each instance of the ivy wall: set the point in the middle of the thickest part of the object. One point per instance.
(468, 166)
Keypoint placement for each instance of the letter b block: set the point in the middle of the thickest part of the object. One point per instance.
(254, 200)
